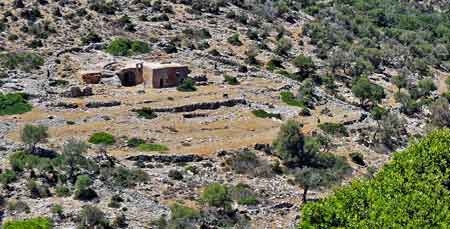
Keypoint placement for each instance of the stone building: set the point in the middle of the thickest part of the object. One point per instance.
(151, 75)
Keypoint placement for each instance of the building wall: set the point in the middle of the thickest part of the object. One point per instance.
(168, 77)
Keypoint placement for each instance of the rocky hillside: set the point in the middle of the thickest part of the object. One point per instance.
(279, 94)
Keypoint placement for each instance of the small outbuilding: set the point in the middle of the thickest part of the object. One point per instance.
(152, 75)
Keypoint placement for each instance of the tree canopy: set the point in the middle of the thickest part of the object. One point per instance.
(412, 191)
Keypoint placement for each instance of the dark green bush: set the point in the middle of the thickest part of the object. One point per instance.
(265, 114)
(243, 194)
(216, 195)
(235, 40)
(11, 104)
(187, 86)
(146, 112)
(231, 80)
(289, 98)
(127, 178)
(102, 138)
(135, 142)
(125, 47)
(7, 177)
(334, 128)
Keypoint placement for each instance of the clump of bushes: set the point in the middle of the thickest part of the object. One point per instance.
(290, 99)
(216, 195)
(35, 223)
(83, 190)
(235, 40)
(334, 128)
(102, 138)
(187, 86)
(126, 178)
(243, 195)
(25, 61)
(135, 142)
(231, 80)
(15, 103)
(146, 113)
(264, 114)
(126, 47)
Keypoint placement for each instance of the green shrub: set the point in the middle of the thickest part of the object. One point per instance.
(20, 161)
(35, 223)
(128, 178)
(57, 210)
(265, 114)
(18, 206)
(7, 177)
(411, 191)
(11, 104)
(274, 64)
(187, 86)
(135, 142)
(334, 128)
(146, 113)
(83, 190)
(243, 194)
(231, 80)
(216, 195)
(62, 191)
(25, 61)
(235, 40)
(182, 212)
(102, 138)
(289, 98)
(125, 47)
(153, 147)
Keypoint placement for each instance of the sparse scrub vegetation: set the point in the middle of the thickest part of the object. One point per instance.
(102, 138)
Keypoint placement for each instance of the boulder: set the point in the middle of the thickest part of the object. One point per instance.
(91, 77)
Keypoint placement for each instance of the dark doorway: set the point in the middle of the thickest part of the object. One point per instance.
(161, 83)
(128, 79)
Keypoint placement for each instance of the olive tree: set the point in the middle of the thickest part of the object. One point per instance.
(367, 91)
(311, 178)
(32, 135)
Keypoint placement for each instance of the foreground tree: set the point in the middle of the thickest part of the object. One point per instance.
(414, 182)
(32, 135)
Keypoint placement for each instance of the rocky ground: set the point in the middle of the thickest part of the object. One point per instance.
(201, 128)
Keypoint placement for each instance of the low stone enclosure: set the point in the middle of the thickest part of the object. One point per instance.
(153, 75)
